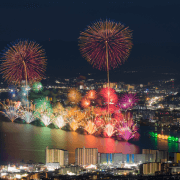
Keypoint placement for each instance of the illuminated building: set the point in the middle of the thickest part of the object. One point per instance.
(160, 155)
(177, 157)
(174, 170)
(57, 155)
(111, 85)
(165, 167)
(86, 156)
(130, 87)
(150, 168)
(118, 158)
(72, 169)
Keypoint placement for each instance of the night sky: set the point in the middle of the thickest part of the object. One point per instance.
(56, 25)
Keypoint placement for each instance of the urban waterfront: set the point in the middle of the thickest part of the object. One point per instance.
(28, 142)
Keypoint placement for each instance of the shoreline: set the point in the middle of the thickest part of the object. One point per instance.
(66, 128)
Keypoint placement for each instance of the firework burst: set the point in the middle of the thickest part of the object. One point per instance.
(91, 94)
(27, 116)
(11, 112)
(58, 109)
(74, 96)
(44, 111)
(118, 116)
(109, 94)
(59, 121)
(99, 122)
(46, 119)
(127, 129)
(85, 103)
(37, 86)
(103, 35)
(109, 130)
(75, 116)
(23, 61)
(74, 125)
(127, 101)
(90, 127)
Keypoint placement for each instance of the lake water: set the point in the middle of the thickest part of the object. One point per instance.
(28, 142)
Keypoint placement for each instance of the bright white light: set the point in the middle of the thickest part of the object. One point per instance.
(91, 166)
(70, 173)
(130, 165)
(18, 176)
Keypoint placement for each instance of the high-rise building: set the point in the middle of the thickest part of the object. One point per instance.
(160, 155)
(86, 156)
(57, 155)
(150, 168)
(177, 157)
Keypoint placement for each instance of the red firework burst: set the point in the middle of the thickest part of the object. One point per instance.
(99, 122)
(23, 61)
(104, 35)
(112, 108)
(109, 93)
(118, 116)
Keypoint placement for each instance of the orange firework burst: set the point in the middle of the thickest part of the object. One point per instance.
(90, 127)
(74, 96)
(23, 61)
(105, 37)
(75, 115)
(74, 125)
(91, 94)
(58, 109)
(85, 103)
(98, 111)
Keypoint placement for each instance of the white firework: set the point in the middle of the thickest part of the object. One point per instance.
(46, 119)
(59, 121)
(28, 116)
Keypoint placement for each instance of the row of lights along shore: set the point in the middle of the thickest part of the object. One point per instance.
(166, 137)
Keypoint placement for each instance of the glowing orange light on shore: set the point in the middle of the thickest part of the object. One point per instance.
(159, 135)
